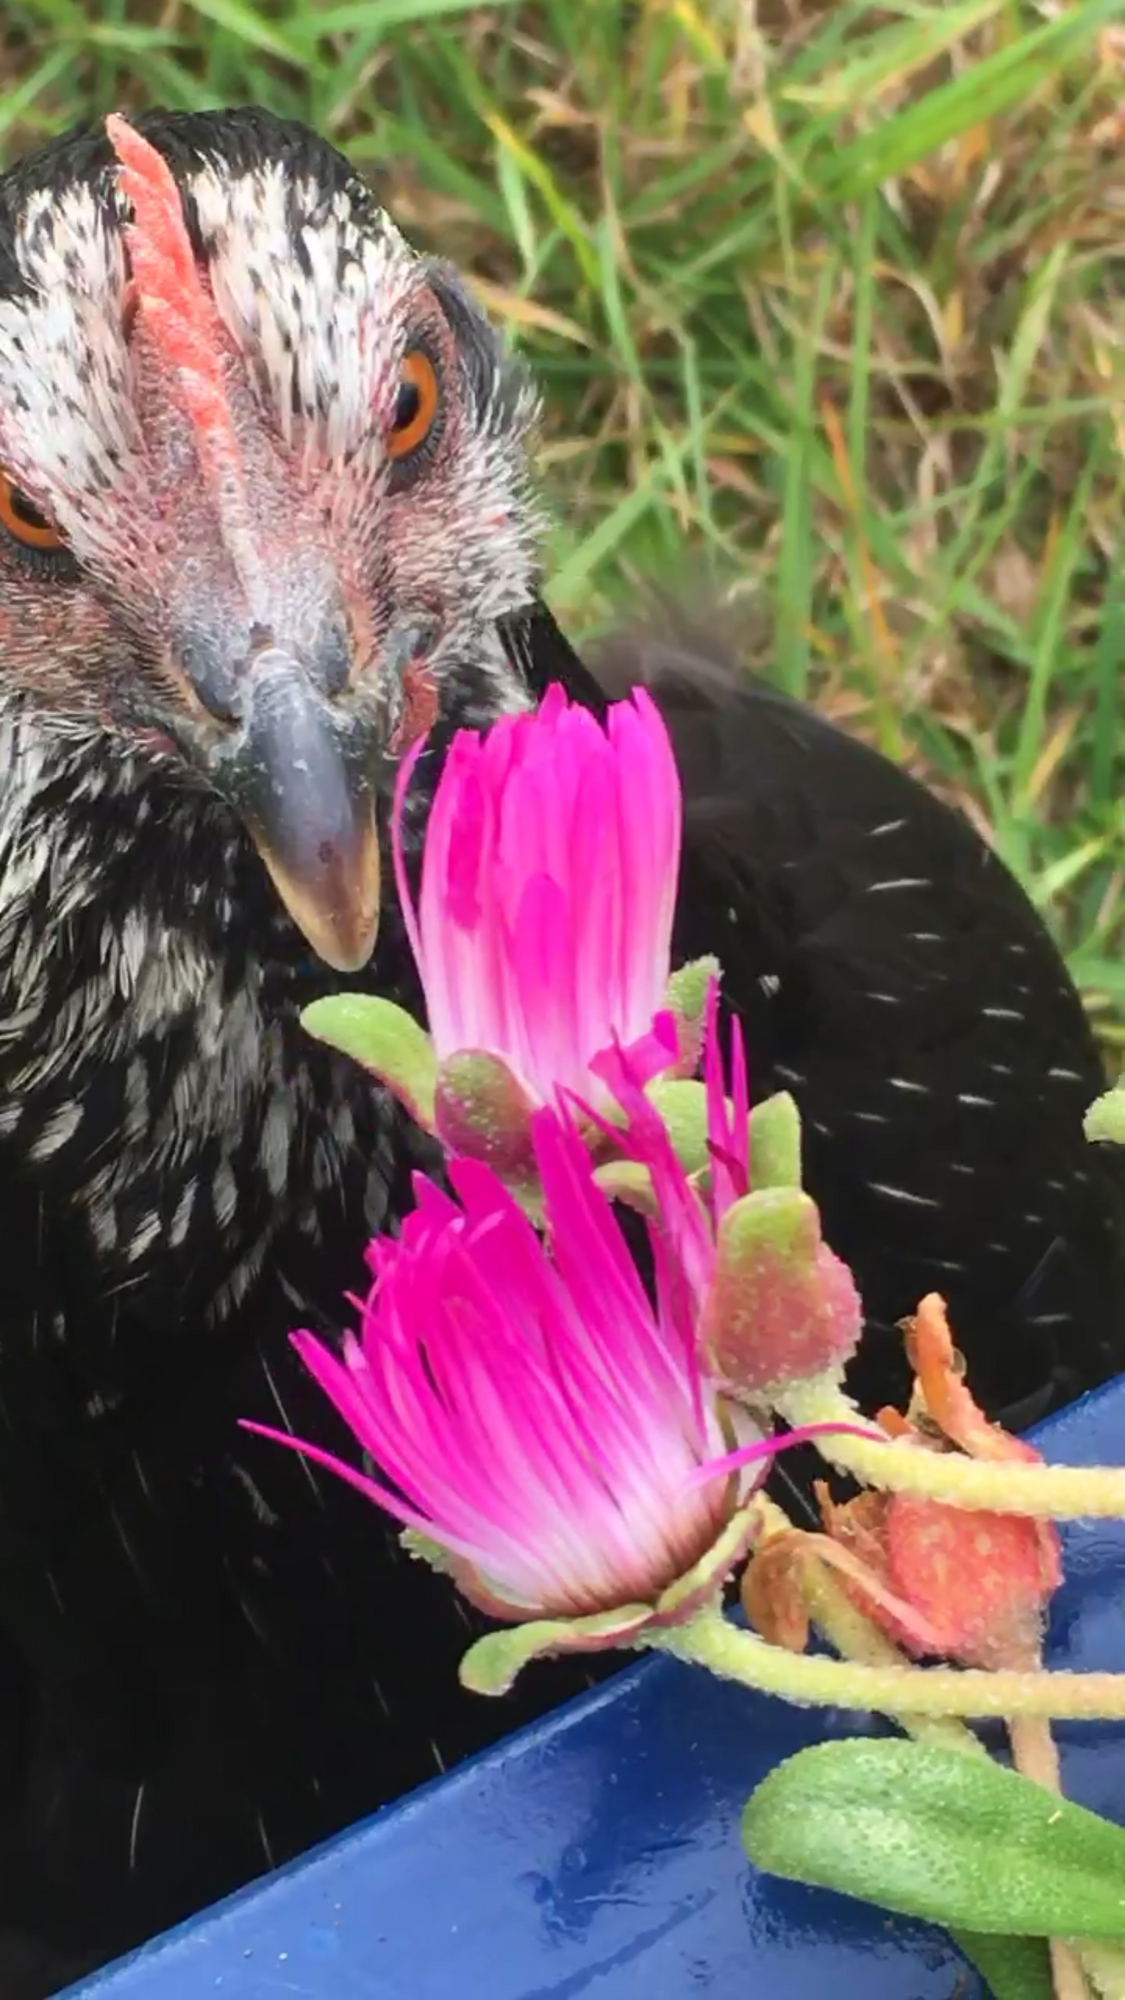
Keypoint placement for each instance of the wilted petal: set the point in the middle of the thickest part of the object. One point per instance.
(973, 1585)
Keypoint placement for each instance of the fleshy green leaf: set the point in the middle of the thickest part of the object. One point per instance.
(1106, 1117)
(781, 1307)
(779, 1221)
(686, 997)
(775, 1143)
(774, 1129)
(424, 1549)
(704, 1581)
(492, 1664)
(682, 1105)
(1014, 1968)
(627, 1181)
(385, 1039)
(688, 988)
(916, 1828)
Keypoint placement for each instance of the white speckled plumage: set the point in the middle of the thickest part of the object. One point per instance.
(210, 1654)
(100, 969)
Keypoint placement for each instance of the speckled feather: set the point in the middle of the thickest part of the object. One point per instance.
(211, 1655)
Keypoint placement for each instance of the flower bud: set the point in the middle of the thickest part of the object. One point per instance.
(482, 1112)
(782, 1306)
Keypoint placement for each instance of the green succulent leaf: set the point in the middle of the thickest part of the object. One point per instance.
(424, 1549)
(627, 1181)
(917, 1828)
(775, 1143)
(778, 1223)
(682, 1105)
(687, 989)
(385, 1039)
(1013, 1968)
(1106, 1117)
(493, 1663)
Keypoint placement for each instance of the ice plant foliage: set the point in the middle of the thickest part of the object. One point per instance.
(783, 1306)
(543, 927)
(776, 1305)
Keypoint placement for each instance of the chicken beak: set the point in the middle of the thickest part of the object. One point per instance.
(299, 772)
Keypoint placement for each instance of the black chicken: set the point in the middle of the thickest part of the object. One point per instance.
(264, 515)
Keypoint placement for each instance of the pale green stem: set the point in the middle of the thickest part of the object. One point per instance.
(1007, 1486)
(1035, 1753)
(1105, 1966)
(708, 1640)
(1068, 1971)
(856, 1637)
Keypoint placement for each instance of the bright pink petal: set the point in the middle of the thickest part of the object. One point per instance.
(682, 1221)
(728, 1137)
(524, 1405)
(402, 785)
(544, 922)
(764, 1448)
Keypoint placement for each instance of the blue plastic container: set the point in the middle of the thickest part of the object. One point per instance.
(598, 1854)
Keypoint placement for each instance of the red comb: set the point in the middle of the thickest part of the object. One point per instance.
(172, 300)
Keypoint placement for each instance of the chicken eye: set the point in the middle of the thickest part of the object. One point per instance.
(22, 519)
(416, 405)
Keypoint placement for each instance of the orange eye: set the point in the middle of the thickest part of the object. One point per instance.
(416, 405)
(23, 520)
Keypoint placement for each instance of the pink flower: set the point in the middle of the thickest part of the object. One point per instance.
(527, 1406)
(543, 928)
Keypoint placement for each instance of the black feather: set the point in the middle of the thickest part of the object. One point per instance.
(211, 1656)
(928, 1031)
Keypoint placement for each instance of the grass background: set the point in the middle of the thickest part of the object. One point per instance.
(828, 305)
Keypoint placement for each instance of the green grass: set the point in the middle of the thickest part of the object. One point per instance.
(827, 305)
